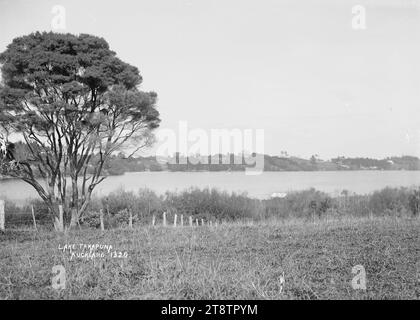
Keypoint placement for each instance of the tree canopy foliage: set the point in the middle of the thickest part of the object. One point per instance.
(74, 103)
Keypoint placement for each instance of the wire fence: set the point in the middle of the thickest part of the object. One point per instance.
(28, 217)
(35, 217)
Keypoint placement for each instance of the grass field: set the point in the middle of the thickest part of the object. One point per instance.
(232, 261)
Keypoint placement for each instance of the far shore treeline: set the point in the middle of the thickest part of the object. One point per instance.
(119, 164)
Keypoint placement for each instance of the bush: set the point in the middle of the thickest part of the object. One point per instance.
(389, 200)
(414, 202)
(21, 216)
(212, 204)
(142, 205)
(307, 203)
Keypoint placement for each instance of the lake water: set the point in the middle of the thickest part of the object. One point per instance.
(259, 186)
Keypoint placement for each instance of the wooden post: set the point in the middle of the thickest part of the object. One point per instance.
(191, 223)
(130, 220)
(164, 219)
(33, 218)
(211, 224)
(175, 218)
(202, 222)
(2, 217)
(153, 220)
(101, 218)
(182, 220)
(215, 224)
(196, 222)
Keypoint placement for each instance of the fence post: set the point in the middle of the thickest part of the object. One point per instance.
(202, 222)
(164, 219)
(2, 217)
(101, 218)
(196, 222)
(153, 220)
(191, 223)
(175, 218)
(211, 224)
(182, 220)
(130, 221)
(33, 218)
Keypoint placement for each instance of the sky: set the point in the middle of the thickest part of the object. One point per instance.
(296, 69)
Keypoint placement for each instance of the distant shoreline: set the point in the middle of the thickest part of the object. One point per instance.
(262, 186)
(239, 168)
(4, 178)
(119, 164)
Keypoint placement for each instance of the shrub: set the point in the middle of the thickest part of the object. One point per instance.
(210, 203)
(389, 200)
(414, 201)
(21, 216)
(213, 204)
(307, 203)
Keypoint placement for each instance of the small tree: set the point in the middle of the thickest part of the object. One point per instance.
(74, 104)
(314, 159)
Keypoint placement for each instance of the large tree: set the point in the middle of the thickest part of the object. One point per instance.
(74, 103)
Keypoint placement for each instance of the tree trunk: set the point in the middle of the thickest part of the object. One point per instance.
(74, 212)
(74, 219)
(59, 221)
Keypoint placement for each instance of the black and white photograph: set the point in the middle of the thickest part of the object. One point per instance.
(209, 155)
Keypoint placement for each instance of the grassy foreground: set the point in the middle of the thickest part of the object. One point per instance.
(232, 261)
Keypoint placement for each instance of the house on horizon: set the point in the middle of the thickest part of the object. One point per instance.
(280, 195)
